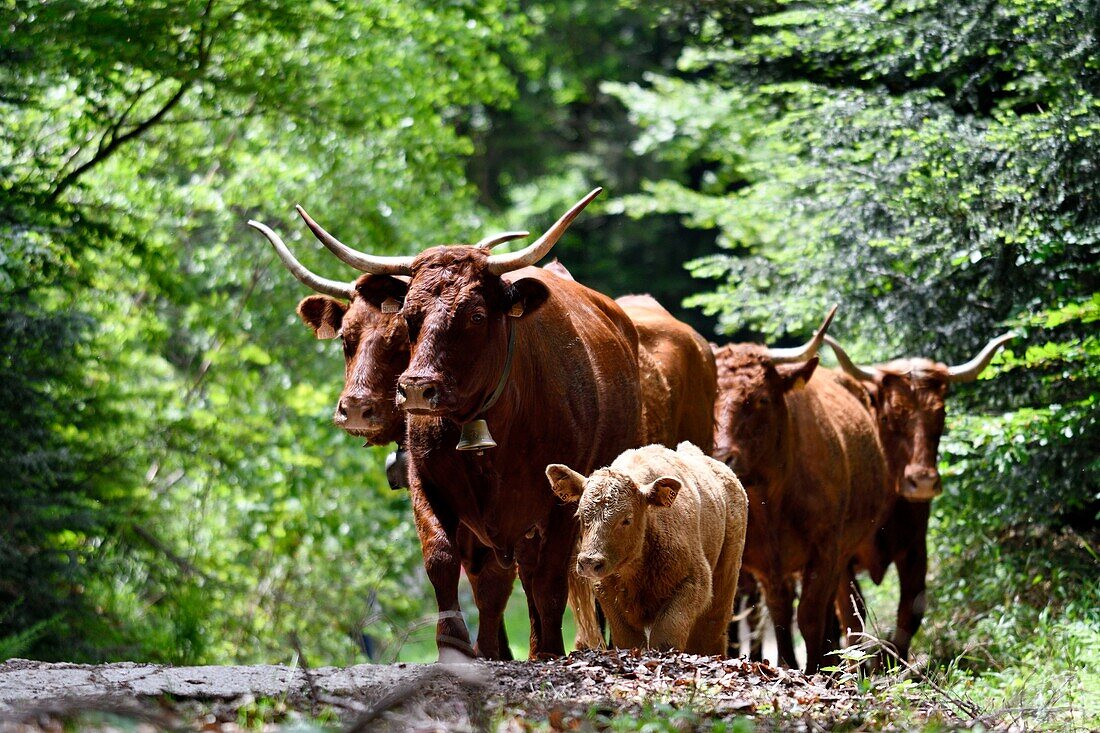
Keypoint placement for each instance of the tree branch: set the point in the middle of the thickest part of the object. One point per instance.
(106, 151)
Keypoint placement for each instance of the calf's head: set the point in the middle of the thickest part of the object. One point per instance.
(909, 400)
(751, 412)
(613, 510)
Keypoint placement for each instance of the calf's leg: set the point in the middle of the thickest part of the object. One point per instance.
(673, 626)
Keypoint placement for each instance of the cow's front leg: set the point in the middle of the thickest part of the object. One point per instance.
(441, 562)
(492, 586)
(547, 592)
(779, 596)
(820, 578)
(912, 571)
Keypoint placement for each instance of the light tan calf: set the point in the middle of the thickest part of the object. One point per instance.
(662, 537)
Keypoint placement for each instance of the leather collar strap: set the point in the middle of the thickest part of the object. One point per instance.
(503, 375)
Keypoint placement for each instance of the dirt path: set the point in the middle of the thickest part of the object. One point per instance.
(583, 691)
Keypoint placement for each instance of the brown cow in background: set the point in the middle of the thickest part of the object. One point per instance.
(908, 396)
(807, 452)
(678, 373)
(549, 364)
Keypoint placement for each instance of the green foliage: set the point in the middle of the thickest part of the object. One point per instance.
(171, 489)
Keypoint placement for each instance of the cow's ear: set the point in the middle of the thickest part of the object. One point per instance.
(795, 376)
(662, 492)
(566, 483)
(872, 393)
(323, 314)
(384, 292)
(525, 296)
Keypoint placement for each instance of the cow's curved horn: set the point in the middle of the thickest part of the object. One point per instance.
(529, 255)
(321, 284)
(494, 239)
(808, 349)
(846, 364)
(969, 371)
(374, 264)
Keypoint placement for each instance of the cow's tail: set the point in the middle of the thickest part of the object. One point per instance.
(582, 599)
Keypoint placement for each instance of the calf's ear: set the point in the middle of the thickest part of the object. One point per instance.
(525, 296)
(662, 492)
(795, 376)
(323, 314)
(566, 483)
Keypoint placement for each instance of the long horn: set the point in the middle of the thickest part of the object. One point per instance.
(969, 371)
(374, 264)
(846, 363)
(494, 239)
(321, 284)
(808, 349)
(529, 255)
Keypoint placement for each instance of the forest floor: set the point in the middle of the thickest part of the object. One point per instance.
(585, 691)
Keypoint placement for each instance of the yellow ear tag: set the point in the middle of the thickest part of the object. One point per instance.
(326, 331)
(516, 310)
(799, 384)
(391, 305)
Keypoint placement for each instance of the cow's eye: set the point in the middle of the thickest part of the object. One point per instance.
(477, 318)
(625, 522)
(412, 323)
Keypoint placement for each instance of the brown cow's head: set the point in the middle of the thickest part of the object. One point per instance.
(376, 351)
(750, 413)
(613, 510)
(365, 315)
(908, 397)
(458, 314)
(457, 310)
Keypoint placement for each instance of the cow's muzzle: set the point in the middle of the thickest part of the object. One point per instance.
(920, 484)
(362, 417)
(419, 394)
(592, 565)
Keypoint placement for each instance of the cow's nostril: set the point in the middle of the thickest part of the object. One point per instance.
(598, 565)
(401, 389)
(429, 393)
(341, 410)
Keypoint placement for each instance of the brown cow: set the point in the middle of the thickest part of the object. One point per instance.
(806, 450)
(662, 536)
(678, 373)
(376, 351)
(908, 398)
(549, 364)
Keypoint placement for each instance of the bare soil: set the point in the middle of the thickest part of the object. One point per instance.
(583, 691)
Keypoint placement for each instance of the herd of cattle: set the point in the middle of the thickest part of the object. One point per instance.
(753, 457)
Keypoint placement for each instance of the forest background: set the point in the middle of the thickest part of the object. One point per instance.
(171, 487)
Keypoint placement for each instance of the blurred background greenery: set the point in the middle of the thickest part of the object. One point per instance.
(171, 487)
